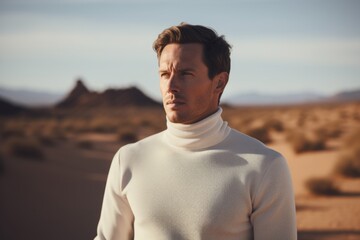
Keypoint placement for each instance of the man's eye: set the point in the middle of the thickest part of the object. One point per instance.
(186, 73)
(164, 74)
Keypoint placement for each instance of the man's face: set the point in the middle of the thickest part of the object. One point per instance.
(189, 95)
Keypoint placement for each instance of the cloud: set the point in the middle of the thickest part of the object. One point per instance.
(27, 34)
(309, 51)
(57, 2)
(74, 44)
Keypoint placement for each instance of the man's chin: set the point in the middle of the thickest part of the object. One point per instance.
(173, 119)
(174, 116)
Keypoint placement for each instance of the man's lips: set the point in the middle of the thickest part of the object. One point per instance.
(174, 102)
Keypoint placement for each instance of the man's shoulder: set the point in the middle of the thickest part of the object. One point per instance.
(133, 152)
(256, 154)
(245, 145)
(144, 143)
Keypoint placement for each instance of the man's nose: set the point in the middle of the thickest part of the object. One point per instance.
(173, 84)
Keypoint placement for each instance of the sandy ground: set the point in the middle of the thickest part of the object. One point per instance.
(60, 197)
(333, 217)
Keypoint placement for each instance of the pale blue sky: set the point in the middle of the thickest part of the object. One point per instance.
(278, 46)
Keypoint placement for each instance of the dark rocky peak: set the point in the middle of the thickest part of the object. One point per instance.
(81, 98)
(79, 89)
(75, 94)
(9, 108)
(131, 96)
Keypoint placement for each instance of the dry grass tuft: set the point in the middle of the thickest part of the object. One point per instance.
(103, 125)
(46, 141)
(127, 136)
(260, 133)
(25, 148)
(332, 131)
(348, 166)
(2, 165)
(349, 161)
(322, 186)
(12, 130)
(85, 144)
(303, 143)
(274, 124)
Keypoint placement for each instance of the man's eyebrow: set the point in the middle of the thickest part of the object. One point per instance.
(189, 69)
(186, 69)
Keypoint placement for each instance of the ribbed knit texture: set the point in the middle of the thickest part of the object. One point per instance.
(203, 181)
(203, 134)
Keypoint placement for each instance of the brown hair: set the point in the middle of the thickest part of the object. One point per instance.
(216, 51)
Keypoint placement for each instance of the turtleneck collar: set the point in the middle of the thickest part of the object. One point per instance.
(203, 134)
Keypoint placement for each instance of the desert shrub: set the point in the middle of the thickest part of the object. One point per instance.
(349, 161)
(103, 125)
(343, 114)
(26, 148)
(302, 118)
(153, 123)
(85, 144)
(146, 123)
(322, 186)
(2, 165)
(45, 132)
(356, 116)
(353, 140)
(260, 133)
(127, 136)
(238, 121)
(274, 124)
(331, 131)
(235, 123)
(46, 140)
(8, 132)
(335, 132)
(74, 125)
(303, 143)
(348, 166)
(314, 118)
(50, 136)
(59, 134)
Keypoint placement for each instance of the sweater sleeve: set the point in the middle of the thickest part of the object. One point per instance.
(274, 215)
(116, 219)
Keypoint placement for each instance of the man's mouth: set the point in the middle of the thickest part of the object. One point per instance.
(174, 103)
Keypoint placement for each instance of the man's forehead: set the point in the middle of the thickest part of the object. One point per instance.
(180, 55)
(188, 50)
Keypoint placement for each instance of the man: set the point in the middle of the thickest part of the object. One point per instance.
(198, 179)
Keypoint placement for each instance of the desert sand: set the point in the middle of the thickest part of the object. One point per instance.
(60, 196)
(323, 217)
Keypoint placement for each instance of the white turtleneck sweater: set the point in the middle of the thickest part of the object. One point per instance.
(199, 181)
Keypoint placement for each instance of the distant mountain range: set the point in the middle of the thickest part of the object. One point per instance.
(345, 96)
(294, 98)
(9, 108)
(81, 96)
(273, 99)
(30, 97)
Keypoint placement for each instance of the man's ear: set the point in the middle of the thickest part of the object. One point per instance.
(221, 81)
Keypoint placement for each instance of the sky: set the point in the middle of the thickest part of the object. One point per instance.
(277, 46)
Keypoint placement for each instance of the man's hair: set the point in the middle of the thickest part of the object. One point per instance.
(216, 51)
